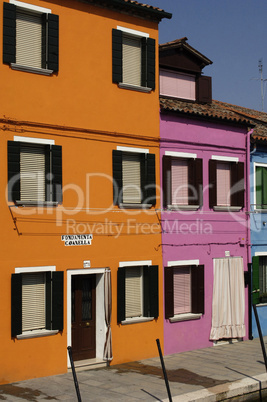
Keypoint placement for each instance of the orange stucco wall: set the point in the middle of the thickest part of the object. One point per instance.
(84, 112)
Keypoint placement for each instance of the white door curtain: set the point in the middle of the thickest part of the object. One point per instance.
(228, 303)
(108, 308)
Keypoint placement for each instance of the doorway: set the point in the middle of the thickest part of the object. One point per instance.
(83, 316)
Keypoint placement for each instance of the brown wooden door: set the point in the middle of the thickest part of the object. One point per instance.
(83, 318)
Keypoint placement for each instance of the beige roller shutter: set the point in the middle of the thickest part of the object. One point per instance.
(32, 170)
(131, 62)
(182, 290)
(179, 182)
(29, 39)
(133, 289)
(131, 178)
(33, 301)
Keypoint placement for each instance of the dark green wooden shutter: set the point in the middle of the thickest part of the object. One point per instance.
(237, 184)
(116, 55)
(197, 289)
(150, 182)
(57, 300)
(121, 294)
(153, 291)
(168, 292)
(167, 180)
(13, 152)
(255, 280)
(143, 62)
(212, 183)
(16, 304)
(195, 181)
(9, 33)
(48, 298)
(56, 163)
(259, 188)
(44, 41)
(264, 187)
(117, 176)
(151, 62)
(52, 41)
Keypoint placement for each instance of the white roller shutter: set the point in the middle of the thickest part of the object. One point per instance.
(182, 290)
(29, 39)
(32, 170)
(131, 178)
(33, 301)
(131, 60)
(133, 286)
(223, 184)
(179, 182)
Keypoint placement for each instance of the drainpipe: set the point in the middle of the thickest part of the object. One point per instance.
(248, 231)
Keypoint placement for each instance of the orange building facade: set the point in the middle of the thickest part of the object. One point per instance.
(79, 123)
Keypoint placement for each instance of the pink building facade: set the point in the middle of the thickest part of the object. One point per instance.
(205, 231)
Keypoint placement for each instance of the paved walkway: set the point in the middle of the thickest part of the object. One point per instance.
(211, 374)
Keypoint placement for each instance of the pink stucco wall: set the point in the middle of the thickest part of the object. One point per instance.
(203, 234)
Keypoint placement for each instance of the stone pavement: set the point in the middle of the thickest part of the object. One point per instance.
(211, 374)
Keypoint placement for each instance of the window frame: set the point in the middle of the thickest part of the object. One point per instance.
(53, 171)
(256, 291)
(54, 288)
(147, 173)
(149, 295)
(148, 59)
(49, 50)
(197, 278)
(195, 180)
(255, 166)
(237, 174)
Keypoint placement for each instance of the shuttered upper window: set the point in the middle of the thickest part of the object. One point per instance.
(182, 182)
(36, 301)
(133, 59)
(134, 178)
(34, 173)
(137, 292)
(226, 184)
(184, 290)
(261, 187)
(30, 38)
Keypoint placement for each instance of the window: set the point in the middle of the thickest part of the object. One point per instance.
(226, 179)
(30, 38)
(137, 293)
(259, 279)
(36, 302)
(34, 173)
(182, 182)
(133, 59)
(134, 178)
(177, 85)
(261, 187)
(184, 291)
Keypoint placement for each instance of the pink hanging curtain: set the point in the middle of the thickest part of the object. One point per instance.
(108, 308)
(228, 303)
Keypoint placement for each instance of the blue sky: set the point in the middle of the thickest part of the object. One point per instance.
(231, 33)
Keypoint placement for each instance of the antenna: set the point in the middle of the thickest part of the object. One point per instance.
(263, 83)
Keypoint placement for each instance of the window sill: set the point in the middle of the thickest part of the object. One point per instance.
(227, 209)
(135, 206)
(183, 207)
(34, 70)
(37, 334)
(134, 87)
(136, 320)
(36, 203)
(185, 317)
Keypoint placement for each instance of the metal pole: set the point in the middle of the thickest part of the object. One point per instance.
(74, 375)
(260, 335)
(164, 371)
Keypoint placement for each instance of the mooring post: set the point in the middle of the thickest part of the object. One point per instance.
(74, 375)
(164, 371)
